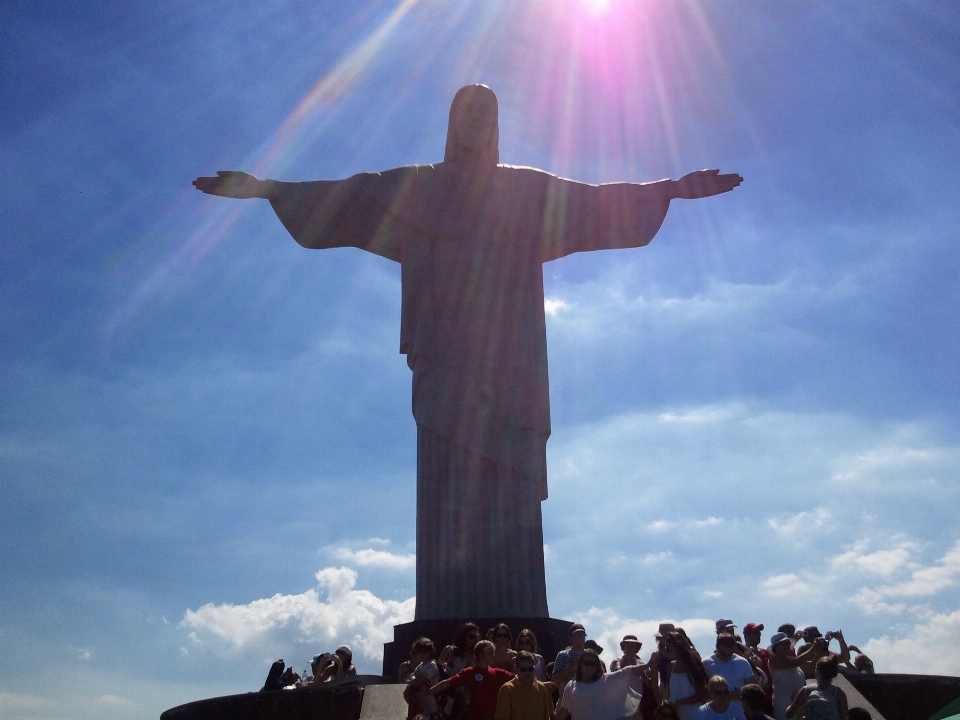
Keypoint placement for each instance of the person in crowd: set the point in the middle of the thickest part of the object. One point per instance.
(666, 710)
(862, 664)
(823, 701)
(279, 678)
(630, 647)
(454, 658)
(596, 695)
(407, 667)
(662, 666)
(786, 671)
(524, 697)
(725, 626)
(736, 671)
(754, 701)
(526, 640)
(326, 667)
(565, 666)
(592, 645)
(811, 634)
(790, 630)
(424, 676)
(346, 660)
(483, 682)
(687, 684)
(759, 657)
(459, 654)
(720, 707)
(503, 642)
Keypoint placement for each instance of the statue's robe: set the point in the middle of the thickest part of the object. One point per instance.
(470, 242)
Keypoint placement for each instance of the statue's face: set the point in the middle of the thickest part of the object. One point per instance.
(475, 120)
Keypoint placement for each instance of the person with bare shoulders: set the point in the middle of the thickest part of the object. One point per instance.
(786, 671)
(686, 686)
(823, 701)
(504, 654)
(527, 640)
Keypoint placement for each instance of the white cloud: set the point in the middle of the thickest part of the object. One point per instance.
(872, 602)
(879, 562)
(113, 701)
(800, 522)
(356, 617)
(933, 645)
(376, 558)
(21, 701)
(713, 593)
(707, 414)
(927, 580)
(84, 654)
(786, 585)
(607, 627)
(872, 461)
(552, 305)
(709, 522)
(660, 525)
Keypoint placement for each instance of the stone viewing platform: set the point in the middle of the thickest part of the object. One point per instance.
(887, 696)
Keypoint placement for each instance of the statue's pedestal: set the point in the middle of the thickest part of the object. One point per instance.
(552, 636)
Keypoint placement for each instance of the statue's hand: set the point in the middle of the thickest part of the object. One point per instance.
(232, 184)
(704, 183)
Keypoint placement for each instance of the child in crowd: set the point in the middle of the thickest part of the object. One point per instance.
(424, 676)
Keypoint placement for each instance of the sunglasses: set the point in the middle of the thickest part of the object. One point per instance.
(588, 663)
(502, 635)
(524, 669)
(524, 641)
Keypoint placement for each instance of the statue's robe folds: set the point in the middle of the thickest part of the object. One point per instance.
(470, 242)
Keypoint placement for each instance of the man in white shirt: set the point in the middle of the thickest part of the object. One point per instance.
(736, 671)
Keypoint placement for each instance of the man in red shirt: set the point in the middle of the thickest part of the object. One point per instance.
(483, 681)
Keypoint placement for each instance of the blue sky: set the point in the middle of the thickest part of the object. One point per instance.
(207, 455)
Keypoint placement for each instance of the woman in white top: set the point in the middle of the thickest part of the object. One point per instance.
(526, 640)
(687, 686)
(596, 695)
(785, 669)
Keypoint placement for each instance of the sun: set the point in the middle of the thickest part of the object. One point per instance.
(596, 7)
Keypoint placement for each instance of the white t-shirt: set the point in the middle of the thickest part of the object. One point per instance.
(608, 698)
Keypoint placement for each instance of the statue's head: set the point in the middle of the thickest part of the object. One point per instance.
(473, 134)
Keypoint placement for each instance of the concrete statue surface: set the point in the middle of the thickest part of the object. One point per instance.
(471, 235)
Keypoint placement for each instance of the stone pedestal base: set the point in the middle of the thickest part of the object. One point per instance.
(552, 636)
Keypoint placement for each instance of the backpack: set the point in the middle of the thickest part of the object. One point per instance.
(821, 704)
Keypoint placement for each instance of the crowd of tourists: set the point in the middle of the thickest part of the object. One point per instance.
(506, 678)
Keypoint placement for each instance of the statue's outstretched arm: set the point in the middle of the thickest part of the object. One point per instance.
(703, 183)
(234, 184)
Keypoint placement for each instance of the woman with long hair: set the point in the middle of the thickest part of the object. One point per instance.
(504, 654)
(459, 654)
(526, 640)
(599, 695)
(687, 686)
(455, 657)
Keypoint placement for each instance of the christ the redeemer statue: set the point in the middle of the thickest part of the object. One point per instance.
(471, 235)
